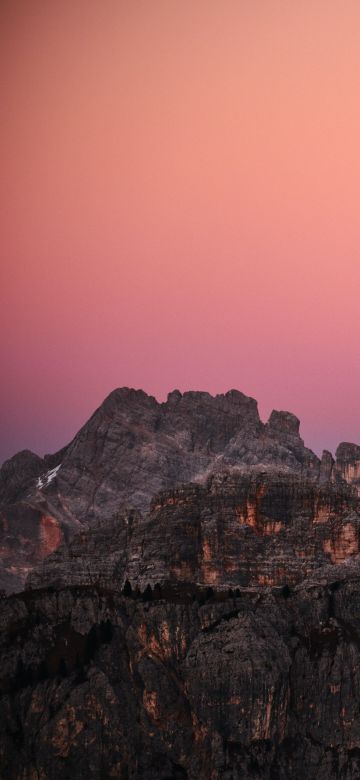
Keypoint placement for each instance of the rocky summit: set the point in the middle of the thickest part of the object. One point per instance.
(132, 448)
(183, 598)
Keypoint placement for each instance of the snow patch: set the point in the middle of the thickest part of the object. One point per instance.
(45, 479)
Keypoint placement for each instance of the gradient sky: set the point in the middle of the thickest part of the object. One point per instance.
(180, 190)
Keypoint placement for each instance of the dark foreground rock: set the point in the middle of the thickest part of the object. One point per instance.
(260, 683)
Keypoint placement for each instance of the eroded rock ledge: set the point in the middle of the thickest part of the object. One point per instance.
(131, 448)
(263, 684)
(210, 632)
(238, 529)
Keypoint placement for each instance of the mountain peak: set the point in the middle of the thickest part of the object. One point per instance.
(284, 422)
(133, 447)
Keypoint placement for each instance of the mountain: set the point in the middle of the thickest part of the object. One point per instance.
(191, 605)
(131, 448)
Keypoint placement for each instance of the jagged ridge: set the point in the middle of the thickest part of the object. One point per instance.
(131, 448)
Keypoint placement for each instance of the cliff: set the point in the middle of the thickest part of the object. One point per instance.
(237, 529)
(191, 608)
(262, 683)
(133, 447)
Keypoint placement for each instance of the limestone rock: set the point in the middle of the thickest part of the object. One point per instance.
(131, 448)
(192, 606)
(237, 529)
(348, 464)
(263, 684)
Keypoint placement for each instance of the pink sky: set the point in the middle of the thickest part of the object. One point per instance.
(180, 187)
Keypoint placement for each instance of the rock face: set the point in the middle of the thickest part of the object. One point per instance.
(264, 684)
(192, 602)
(131, 448)
(238, 529)
(348, 464)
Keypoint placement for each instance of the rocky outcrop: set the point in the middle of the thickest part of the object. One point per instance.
(348, 464)
(210, 631)
(238, 529)
(132, 448)
(262, 683)
(326, 474)
(17, 474)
